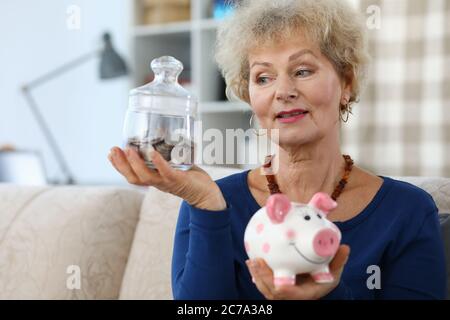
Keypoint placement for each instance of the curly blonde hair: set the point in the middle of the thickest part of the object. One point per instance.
(334, 25)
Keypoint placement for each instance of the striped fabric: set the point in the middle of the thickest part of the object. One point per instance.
(401, 126)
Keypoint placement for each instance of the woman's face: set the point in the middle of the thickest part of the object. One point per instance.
(297, 79)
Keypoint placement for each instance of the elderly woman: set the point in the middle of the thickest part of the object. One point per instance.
(299, 64)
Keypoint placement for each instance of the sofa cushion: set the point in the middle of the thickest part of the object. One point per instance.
(147, 275)
(438, 188)
(44, 231)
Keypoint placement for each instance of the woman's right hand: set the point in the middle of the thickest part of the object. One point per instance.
(194, 185)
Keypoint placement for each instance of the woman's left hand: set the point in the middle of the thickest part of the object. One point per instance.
(305, 288)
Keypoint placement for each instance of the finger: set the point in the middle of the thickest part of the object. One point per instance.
(265, 272)
(259, 283)
(163, 166)
(120, 162)
(276, 292)
(340, 259)
(138, 165)
(265, 276)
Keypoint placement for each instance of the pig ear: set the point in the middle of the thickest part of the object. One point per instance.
(278, 206)
(323, 202)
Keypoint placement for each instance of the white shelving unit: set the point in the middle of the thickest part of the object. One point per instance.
(191, 42)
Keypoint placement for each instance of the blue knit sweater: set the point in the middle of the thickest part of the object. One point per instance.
(398, 231)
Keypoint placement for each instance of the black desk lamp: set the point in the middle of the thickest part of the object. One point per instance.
(111, 66)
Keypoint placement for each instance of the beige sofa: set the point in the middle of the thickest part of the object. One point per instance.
(78, 242)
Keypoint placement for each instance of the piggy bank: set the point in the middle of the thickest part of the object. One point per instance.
(294, 238)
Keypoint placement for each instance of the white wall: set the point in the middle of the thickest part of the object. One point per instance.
(84, 113)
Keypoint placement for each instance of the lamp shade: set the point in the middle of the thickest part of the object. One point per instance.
(111, 64)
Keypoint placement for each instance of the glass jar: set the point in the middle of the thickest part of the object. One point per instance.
(161, 117)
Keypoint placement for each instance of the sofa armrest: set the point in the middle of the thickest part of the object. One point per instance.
(65, 242)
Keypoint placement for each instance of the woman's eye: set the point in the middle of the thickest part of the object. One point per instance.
(303, 73)
(262, 80)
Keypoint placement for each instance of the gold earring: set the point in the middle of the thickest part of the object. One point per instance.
(251, 119)
(344, 109)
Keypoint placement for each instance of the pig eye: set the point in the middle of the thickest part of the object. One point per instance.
(319, 216)
(307, 217)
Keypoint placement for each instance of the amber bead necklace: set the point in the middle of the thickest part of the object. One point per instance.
(274, 188)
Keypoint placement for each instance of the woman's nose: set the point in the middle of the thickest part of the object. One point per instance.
(286, 91)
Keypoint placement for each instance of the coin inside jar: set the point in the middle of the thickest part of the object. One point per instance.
(164, 148)
(145, 149)
(141, 146)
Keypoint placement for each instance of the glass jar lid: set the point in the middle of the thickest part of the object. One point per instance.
(166, 70)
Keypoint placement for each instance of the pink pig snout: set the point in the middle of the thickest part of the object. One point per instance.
(326, 243)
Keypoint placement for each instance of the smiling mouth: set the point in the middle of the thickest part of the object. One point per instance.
(304, 257)
(291, 114)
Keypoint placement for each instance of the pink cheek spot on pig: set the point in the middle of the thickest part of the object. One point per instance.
(294, 238)
(290, 234)
(259, 228)
(266, 247)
